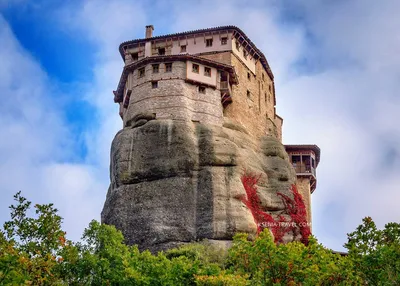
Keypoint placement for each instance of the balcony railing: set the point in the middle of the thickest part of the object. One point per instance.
(225, 87)
(304, 169)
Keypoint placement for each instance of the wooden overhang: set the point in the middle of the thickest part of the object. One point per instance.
(238, 34)
(118, 94)
(300, 148)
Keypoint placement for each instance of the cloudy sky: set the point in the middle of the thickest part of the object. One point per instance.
(337, 72)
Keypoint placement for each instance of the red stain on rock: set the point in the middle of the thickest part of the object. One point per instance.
(279, 226)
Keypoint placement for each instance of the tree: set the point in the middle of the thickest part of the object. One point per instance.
(294, 263)
(29, 246)
(376, 253)
(34, 251)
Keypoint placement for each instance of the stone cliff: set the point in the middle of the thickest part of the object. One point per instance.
(175, 181)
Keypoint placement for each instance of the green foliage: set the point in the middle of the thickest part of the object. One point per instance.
(29, 245)
(376, 253)
(293, 263)
(34, 251)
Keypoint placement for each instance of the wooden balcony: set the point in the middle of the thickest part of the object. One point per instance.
(226, 92)
(302, 169)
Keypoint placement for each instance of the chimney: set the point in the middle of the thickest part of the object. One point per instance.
(149, 31)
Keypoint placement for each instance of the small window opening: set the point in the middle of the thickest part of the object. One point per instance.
(168, 67)
(154, 84)
(161, 51)
(224, 41)
(207, 71)
(195, 68)
(141, 72)
(183, 49)
(295, 161)
(135, 56)
(307, 163)
(248, 94)
(209, 42)
(248, 76)
(202, 89)
(156, 68)
(269, 88)
(263, 78)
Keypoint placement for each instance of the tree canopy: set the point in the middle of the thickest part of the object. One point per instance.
(35, 251)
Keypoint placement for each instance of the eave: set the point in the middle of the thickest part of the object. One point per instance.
(305, 147)
(238, 33)
(118, 94)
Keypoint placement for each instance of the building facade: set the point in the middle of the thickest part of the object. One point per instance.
(201, 75)
(190, 85)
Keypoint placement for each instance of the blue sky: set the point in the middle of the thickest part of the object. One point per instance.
(337, 74)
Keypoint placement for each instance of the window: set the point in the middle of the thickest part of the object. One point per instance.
(263, 77)
(265, 97)
(141, 72)
(161, 51)
(202, 89)
(296, 162)
(224, 41)
(154, 84)
(183, 49)
(269, 87)
(156, 68)
(245, 54)
(248, 94)
(207, 71)
(248, 76)
(195, 68)
(237, 45)
(168, 67)
(209, 42)
(135, 56)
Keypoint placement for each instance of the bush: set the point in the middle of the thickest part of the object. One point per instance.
(34, 251)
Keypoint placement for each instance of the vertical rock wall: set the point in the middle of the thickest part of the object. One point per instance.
(175, 181)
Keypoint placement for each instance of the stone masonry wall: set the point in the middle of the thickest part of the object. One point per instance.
(222, 57)
(253, 101)
(173, 98)
(303, 186)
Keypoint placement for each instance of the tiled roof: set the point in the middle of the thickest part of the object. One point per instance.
(118, 94)
(263, 59)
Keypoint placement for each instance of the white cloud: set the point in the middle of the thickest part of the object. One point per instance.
(350, 108)
(345, 99)
(336, 107)
(35, 137)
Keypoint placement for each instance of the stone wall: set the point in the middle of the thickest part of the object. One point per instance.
(223, 57)
(173, 98)
(303, 186)
(253, 101)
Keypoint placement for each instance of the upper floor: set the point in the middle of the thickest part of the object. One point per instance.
(197, 42)
(305, 159)
(221, 58)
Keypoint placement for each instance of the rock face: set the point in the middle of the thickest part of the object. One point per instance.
(179, 181)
